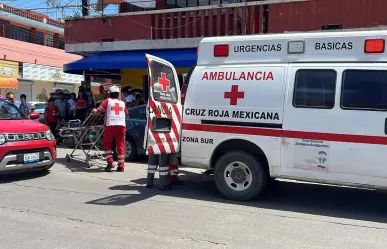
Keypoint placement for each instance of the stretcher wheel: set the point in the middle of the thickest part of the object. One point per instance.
(68, 158)
(87, 162)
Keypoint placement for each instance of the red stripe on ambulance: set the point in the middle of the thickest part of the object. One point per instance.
(346, 138)
(156, 136)
(167, 136)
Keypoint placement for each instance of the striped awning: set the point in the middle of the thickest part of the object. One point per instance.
(9, 83)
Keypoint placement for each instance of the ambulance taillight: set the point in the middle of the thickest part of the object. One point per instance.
(372, 46)
(221, 50)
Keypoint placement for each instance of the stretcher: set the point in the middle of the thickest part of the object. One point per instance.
(86, 136)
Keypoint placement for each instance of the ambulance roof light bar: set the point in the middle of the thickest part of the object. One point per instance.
(221, 50)
(373, 46)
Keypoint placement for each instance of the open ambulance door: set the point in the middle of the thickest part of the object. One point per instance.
(164, 110)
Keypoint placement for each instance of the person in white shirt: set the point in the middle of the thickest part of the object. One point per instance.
(72, 106)
(114, 128)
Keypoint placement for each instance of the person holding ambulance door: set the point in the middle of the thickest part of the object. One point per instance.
(115, 127)
(166, 163)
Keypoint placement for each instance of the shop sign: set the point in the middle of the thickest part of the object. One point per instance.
(9, 69)
(47, 73)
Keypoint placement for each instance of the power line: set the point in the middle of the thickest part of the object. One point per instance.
(91, 8)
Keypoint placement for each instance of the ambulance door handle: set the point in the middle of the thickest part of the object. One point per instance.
(385, 126)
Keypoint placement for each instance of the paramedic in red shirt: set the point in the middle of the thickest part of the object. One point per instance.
(115, 127)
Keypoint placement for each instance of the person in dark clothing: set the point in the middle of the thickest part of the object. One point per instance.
(161, 162)
(81, 107)
(81, 89)
(140, 99)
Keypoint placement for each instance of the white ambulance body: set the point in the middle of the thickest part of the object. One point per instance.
(303, 106)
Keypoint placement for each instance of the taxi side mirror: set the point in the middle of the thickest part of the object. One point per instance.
(34, 115)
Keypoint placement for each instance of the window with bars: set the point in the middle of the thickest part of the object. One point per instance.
(20, 34)
(39, 38)
(61, 43)
(49, 40)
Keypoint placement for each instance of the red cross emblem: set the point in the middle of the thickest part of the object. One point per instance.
(117, 109)
(234, 95)
(164, 82)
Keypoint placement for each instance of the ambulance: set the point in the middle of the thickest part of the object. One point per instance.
(302, 106)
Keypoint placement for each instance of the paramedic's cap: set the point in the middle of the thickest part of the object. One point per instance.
(114, 89)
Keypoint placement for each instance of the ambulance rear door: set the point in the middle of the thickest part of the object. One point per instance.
(164, 108)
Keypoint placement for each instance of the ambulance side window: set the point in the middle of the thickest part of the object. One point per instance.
(164, 85)
(364, 90)
(315, 88)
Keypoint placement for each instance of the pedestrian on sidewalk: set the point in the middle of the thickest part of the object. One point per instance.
(115, 128)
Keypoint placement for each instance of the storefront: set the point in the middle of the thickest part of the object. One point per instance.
(130, 66)
(47, 79)
(24, 87)
(9, 72)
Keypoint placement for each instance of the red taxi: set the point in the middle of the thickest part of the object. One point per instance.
(25, 144)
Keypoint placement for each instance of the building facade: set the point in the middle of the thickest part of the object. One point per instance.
(173, 29)
(32, 54)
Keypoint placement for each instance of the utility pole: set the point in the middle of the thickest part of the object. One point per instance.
(86, 12)
(61, 10)
(85, 8)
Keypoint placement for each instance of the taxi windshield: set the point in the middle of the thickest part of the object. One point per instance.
(9, 111)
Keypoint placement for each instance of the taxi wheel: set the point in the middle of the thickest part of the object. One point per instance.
(240, 176)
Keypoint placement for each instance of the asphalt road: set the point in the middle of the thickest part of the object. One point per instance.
(73, 207)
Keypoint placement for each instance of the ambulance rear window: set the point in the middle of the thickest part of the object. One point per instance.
(164, 85)
(364, 90)
(315, 88)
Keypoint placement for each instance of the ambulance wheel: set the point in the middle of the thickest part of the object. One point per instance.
(240, 176)
(130, 150)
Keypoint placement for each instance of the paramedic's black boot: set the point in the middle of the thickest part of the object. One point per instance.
(120, 169)
(149, 180)
(109, 167)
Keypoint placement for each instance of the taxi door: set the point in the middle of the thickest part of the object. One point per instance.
(164, 110)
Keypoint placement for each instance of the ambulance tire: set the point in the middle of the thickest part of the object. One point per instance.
(255, 170)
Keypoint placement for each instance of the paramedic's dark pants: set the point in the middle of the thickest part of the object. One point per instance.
(160, 161)
(52, 126)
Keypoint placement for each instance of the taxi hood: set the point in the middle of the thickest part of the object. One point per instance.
(19, 126)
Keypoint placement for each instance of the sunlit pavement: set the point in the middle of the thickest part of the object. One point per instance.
(74, 207)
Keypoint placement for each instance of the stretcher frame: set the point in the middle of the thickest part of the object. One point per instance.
(81, 136)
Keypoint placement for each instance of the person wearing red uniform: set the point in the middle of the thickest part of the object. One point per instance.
(115, 128)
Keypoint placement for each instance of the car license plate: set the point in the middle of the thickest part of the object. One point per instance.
(31, 158)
